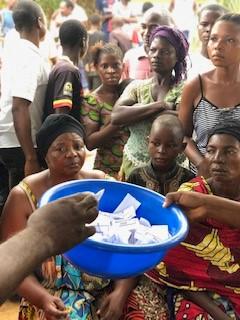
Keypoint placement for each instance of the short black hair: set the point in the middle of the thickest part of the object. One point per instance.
(72, 33)
(26, 14)
(171, 121)
(95, 19)
(109, 49)
(68, 3)
(213, 7)
(146, 5)
(230, 17)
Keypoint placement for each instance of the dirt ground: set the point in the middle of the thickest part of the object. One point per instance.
(9, 310)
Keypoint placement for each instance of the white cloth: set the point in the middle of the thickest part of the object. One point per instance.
(79, 13)
(57, 22)
(199, 64)
(123, 11)
(183, 14)
(23, 76)
(48, 50)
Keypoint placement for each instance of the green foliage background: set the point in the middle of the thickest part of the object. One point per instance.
(232, 5)
(89, 5)
(50, 5)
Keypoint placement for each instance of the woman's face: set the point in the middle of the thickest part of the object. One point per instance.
(66, 155)
(224, 44)
(205, 24)
(109, 69)
(162, 55)
(223, 155)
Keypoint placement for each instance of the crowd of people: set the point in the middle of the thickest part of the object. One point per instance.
(123, 82)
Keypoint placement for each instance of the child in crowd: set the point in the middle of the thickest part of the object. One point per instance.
(162, 174)
(143, 100)
(97, 108)
(165, 142)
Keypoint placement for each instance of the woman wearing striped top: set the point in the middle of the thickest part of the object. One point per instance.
(214, 96)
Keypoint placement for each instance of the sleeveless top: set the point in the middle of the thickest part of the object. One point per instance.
(206, 115)
(81, 293)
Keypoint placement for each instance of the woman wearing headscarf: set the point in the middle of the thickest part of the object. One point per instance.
(143, 100)
(58, 290)
(203, 272)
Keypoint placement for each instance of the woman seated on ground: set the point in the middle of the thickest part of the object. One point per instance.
(205, 267)
(58, 289)
(97, 108)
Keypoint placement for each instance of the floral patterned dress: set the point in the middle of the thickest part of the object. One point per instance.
(109, 156)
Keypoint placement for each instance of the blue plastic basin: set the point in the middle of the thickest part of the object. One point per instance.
(116, 260)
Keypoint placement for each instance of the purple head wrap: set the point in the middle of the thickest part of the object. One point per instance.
(181, 45)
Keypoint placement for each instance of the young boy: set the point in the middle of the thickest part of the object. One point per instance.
(64, 89)
(165, 143)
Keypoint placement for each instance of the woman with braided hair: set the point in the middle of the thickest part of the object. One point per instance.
(143, 100)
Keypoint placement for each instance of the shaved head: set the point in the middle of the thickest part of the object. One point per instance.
(159, 17)
(171, 122)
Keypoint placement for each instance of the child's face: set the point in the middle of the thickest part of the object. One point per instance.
(163, 147)
(109, 69)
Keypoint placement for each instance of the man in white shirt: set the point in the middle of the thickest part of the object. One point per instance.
(79, 13)
(207, 16)
(136, 62)
(24, 80)
(126, 11)
(62, 14)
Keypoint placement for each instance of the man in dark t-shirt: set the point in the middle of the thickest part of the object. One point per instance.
(64, 90)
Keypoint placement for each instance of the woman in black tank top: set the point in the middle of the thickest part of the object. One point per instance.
(214, 96)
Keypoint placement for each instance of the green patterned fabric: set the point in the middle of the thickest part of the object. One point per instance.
(109, 156)
(135, 150)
